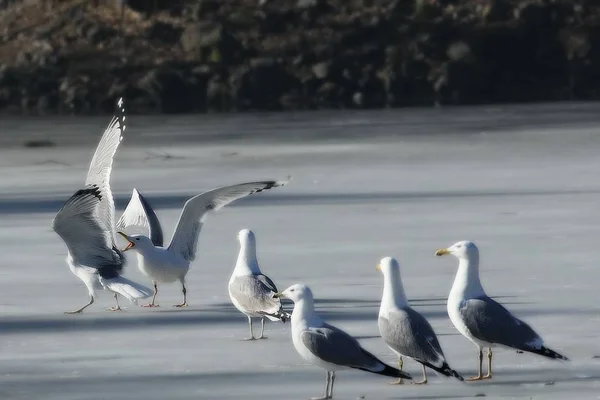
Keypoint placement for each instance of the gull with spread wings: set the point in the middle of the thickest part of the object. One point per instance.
(86, 225)
(172, 263)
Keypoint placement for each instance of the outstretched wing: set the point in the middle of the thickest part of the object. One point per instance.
(139, 219)
(101, 166)
(185, 238)
(79, 224)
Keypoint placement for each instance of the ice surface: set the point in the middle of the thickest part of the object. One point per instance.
(520, 181)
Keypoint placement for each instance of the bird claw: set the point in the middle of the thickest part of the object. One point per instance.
(475, 378)
(181, 305)
(250, 338)
(114, 309)
(398, 382)
(262, 337)
(423, 382)
(151, 305)
(74, 312)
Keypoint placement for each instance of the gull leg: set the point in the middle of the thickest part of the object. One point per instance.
(117, 307)
(489, 355)
(79, 310)
(331, 382)
(479, 376)
(424, 381)
(152, 304)
(262, 329)
(251, 333)
(184, 291)
(326, 396)
(400, 381)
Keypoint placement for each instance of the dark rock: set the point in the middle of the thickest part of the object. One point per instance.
(99, 33)
(321, 70)
(261, 85)
(164, 32)
(498, 10)
(372, 90)
(169, 88)
(218, 96)
(210, 42)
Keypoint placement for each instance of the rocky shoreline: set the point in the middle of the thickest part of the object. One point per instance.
(244, 55)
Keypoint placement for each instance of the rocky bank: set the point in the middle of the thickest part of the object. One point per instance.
(76, 57)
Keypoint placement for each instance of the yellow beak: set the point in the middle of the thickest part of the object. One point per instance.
(378, 267)
(442, 252)
(129, 245)
(278, 295)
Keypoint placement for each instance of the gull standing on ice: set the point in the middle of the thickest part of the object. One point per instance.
(172, 263)
(481, 319)
(406, 331)
(86, 224)
(250, 290)
(325, 345)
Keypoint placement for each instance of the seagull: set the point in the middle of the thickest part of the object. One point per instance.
(86, 225)
(481, 319)
(250, 290)
(169, 264)
(406, 331)
(326, 346)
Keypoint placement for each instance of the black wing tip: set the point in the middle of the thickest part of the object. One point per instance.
(450, 372)
(91, 190)
(281, 315)
(284, 316)
(120, 113)
(273, 184)
(388, 371)
(546, 352)
(111, 272)
(445, 370)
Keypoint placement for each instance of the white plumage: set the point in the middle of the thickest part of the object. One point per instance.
(86, 224)
(172, 263)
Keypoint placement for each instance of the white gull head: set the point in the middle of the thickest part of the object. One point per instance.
(393, 290)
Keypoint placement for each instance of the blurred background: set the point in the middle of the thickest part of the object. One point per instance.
(195, 56)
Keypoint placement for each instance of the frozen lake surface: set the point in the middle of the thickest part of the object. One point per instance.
(522, 182)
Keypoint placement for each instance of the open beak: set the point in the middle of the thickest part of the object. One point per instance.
(130, 244)
(278, 295)
(378, 267)
(442, 252)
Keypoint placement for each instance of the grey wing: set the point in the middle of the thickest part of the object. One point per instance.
(185, 238)
(335, 346)
(101, 167)
(253, 295)
(267, 282)
(410, 334)
(88, 241)
(139, 218)
(490, 322)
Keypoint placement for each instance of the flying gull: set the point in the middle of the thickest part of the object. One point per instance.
(325, 345)
(172, 263)
(86, 224)
(250, 290)
(481, 319)
(406, 331)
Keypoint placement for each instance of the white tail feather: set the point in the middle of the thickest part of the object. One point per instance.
(130, 290)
